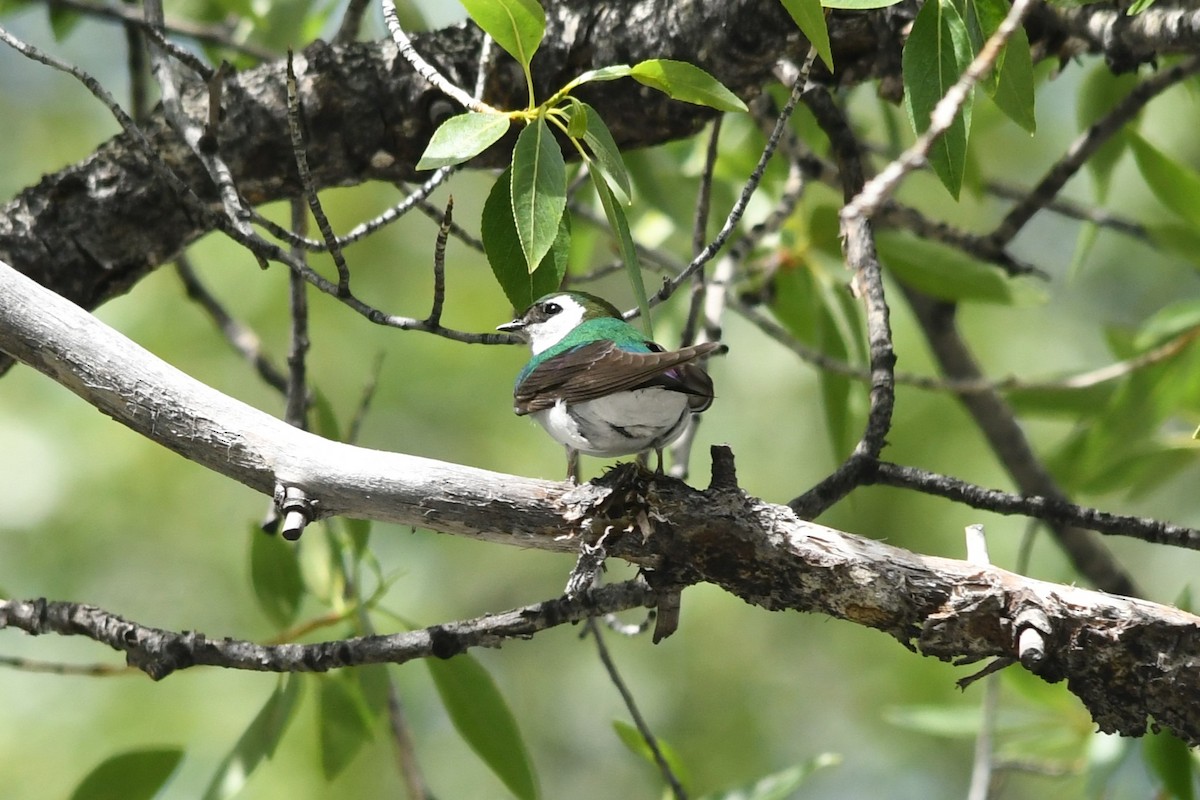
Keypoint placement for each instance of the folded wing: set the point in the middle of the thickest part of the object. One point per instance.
(601, 368)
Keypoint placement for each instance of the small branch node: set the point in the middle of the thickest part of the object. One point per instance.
(1032, 628)
(977, 549)
(297, 510)
(587, 567)
(724, 470)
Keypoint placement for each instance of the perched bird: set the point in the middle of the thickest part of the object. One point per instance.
(599, 386)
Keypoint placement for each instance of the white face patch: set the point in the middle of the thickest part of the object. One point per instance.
(551, 330)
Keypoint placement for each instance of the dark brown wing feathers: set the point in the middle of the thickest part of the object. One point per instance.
(601, 368)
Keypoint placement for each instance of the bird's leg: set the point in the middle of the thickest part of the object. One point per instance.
(659, 452)
(572, 465)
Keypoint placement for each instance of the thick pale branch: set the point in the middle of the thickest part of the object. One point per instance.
(1129, 661)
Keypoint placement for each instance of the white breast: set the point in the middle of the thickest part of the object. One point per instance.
(618, 424)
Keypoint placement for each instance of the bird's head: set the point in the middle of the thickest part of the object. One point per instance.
(548, 320)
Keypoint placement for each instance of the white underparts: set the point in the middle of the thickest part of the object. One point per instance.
(618, 424)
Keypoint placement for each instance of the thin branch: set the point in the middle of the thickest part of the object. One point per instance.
(363, 229)
(209, 33)
(635, 714)
(160, 653)
(439, 265)
(965, 386)
(1086, 145)
(423, 67)
(998, 423)
(193, 132)
(296, 412)
(739, 207)
(1050, 509)
(700, 232)
(54, 668)
(365, 399)
(858, 245)
(310, 191)
(352, 21)
(240, 336)
(1067, 208)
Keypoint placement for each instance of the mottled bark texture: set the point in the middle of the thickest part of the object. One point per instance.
(1130, 661)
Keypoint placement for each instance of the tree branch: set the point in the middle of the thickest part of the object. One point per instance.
(1129, 661)
(159, 653)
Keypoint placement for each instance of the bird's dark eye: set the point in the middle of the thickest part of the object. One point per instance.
(550, 309)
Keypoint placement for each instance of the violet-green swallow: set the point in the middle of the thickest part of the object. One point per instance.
(598, 386)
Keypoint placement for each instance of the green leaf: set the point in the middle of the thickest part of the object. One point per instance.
(1180, 239)
(686, 82)
(1167, 323)
(325, 421)
(135, 775)
(343, 720)
(1099, 91)
(942, 271)
(538, 190)
(835, 387)
(1170, 760)
(636, 744)
(1013, 89)
(63, 21)
(779, 785)
(577, 118)
(953, 722)
(275, 576)
(463, 137)
(502, 246)
(1075, 404)
(858, 5)
(484, 720)
(257, 742)
(1010, 82)
(937, 52)
(1175, 186)
(797, 300)
(1088, 231)
(517, 25)
(605, 155)
(609, 73)
(620, 225)
(810, 18)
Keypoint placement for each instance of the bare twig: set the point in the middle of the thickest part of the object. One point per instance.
(439, 265)
(635, 714)
(240, 336)
(352, 20)
(296, 412)
(209, 33)
(739, 207)
(998, 423)
(159, 653)
(310, 191)
(423, 67)
(363, 229)
(1049, 509)
(858, 245)
(1086, 145)
(964, 386)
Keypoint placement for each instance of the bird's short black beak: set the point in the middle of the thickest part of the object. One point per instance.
(516, 326)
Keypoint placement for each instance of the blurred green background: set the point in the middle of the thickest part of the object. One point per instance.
(93, 513)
